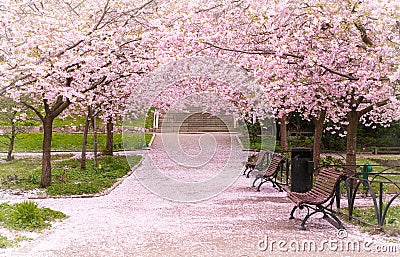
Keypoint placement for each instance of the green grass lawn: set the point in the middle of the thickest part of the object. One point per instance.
(392, 220)
(67, 177)
(387, 187)
(142, 121)
(32, 142)
(362, 161)
(34, 121)
(259, 143)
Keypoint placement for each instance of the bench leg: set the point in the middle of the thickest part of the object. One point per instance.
(254, 182)
(262, 182)
(250, 170)
(333, 216)
(244, 172)
(318, 209)
(292, 212)
(274, 184)
(303, 227)
(266, 179)
(248, 173)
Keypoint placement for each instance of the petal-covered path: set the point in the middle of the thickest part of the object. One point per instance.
(132, 221)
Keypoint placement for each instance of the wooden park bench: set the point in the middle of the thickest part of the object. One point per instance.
(250, 166)
(323, 190)
(386, 150)
(271, 172)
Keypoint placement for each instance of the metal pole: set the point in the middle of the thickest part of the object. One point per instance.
(155, 119)
(380, 219)
(338, 194)
(350, 198)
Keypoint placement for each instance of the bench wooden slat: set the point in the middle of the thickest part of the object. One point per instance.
(273, 166)
(271, 172)
(250, 166)
(319, 192)
(323, 190)
(324, 187)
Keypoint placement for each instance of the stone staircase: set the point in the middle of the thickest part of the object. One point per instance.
(194, 122)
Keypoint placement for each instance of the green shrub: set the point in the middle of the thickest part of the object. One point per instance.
(27, 216)
(333, 142)
(329, 160)
(301, 141)
(5, 242)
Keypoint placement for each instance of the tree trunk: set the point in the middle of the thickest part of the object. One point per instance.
(52, 111)
(46, 158)
(96, 162)
(109, 140)
(283, 134)
(85, 136)
(12, 141)
(351, 148)
(318, 131)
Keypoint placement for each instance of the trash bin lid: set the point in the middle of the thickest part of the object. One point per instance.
(302, 152)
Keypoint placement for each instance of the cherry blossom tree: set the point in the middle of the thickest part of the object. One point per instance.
(56, 52)
(330, 60)
(343, 61)
(11, 115)
(327, 59)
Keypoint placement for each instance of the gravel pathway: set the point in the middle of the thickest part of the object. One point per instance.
(132, 221)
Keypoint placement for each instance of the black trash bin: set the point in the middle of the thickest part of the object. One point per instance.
(302, 170)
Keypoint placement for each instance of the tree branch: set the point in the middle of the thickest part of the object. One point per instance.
(241, 51)
(94, 85)
(348, 76)
(364, 35)
(12, 84)
(34, 109)
(378, 104)
(270, 52)
(57, 104)
(208, 9)
(60, 108)
(103, 15)
(105, 9)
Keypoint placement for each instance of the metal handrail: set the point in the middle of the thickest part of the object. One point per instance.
(353, 183)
